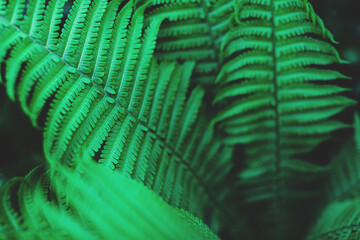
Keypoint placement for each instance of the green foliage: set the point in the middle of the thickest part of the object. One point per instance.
(163, 92)
(140, 120)
(99, 205)
(340, 218)
(193, 30)
(278, 87)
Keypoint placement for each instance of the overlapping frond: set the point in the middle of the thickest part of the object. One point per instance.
(278, 83)
(340, 220)
(193, 30)
(278, 96)
(340, 217)
(94, 205)
(123, 83)
(89, 75)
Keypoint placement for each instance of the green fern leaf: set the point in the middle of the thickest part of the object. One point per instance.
(94, 205)
(277, 85)
(126, 84)
(339, 218)
(104, 93)
(193, 30)
(278, 101)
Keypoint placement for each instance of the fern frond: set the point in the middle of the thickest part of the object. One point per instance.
(22, 216)
(103, 205)
(277, 83)
(339, 219)
(278, 98)
(193, 30)
(96, 86)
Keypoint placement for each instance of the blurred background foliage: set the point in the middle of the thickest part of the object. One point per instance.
(21, 144)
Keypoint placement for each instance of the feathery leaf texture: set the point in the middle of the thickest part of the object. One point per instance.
(125, 83)
(340, 220)
(102, 91)
(279, 95)
(277, 86)
(193, 30)
(340, 217)
(93, 205)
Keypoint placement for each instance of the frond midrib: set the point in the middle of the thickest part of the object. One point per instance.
(211, 35)
(276, 106)
(214, 200)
